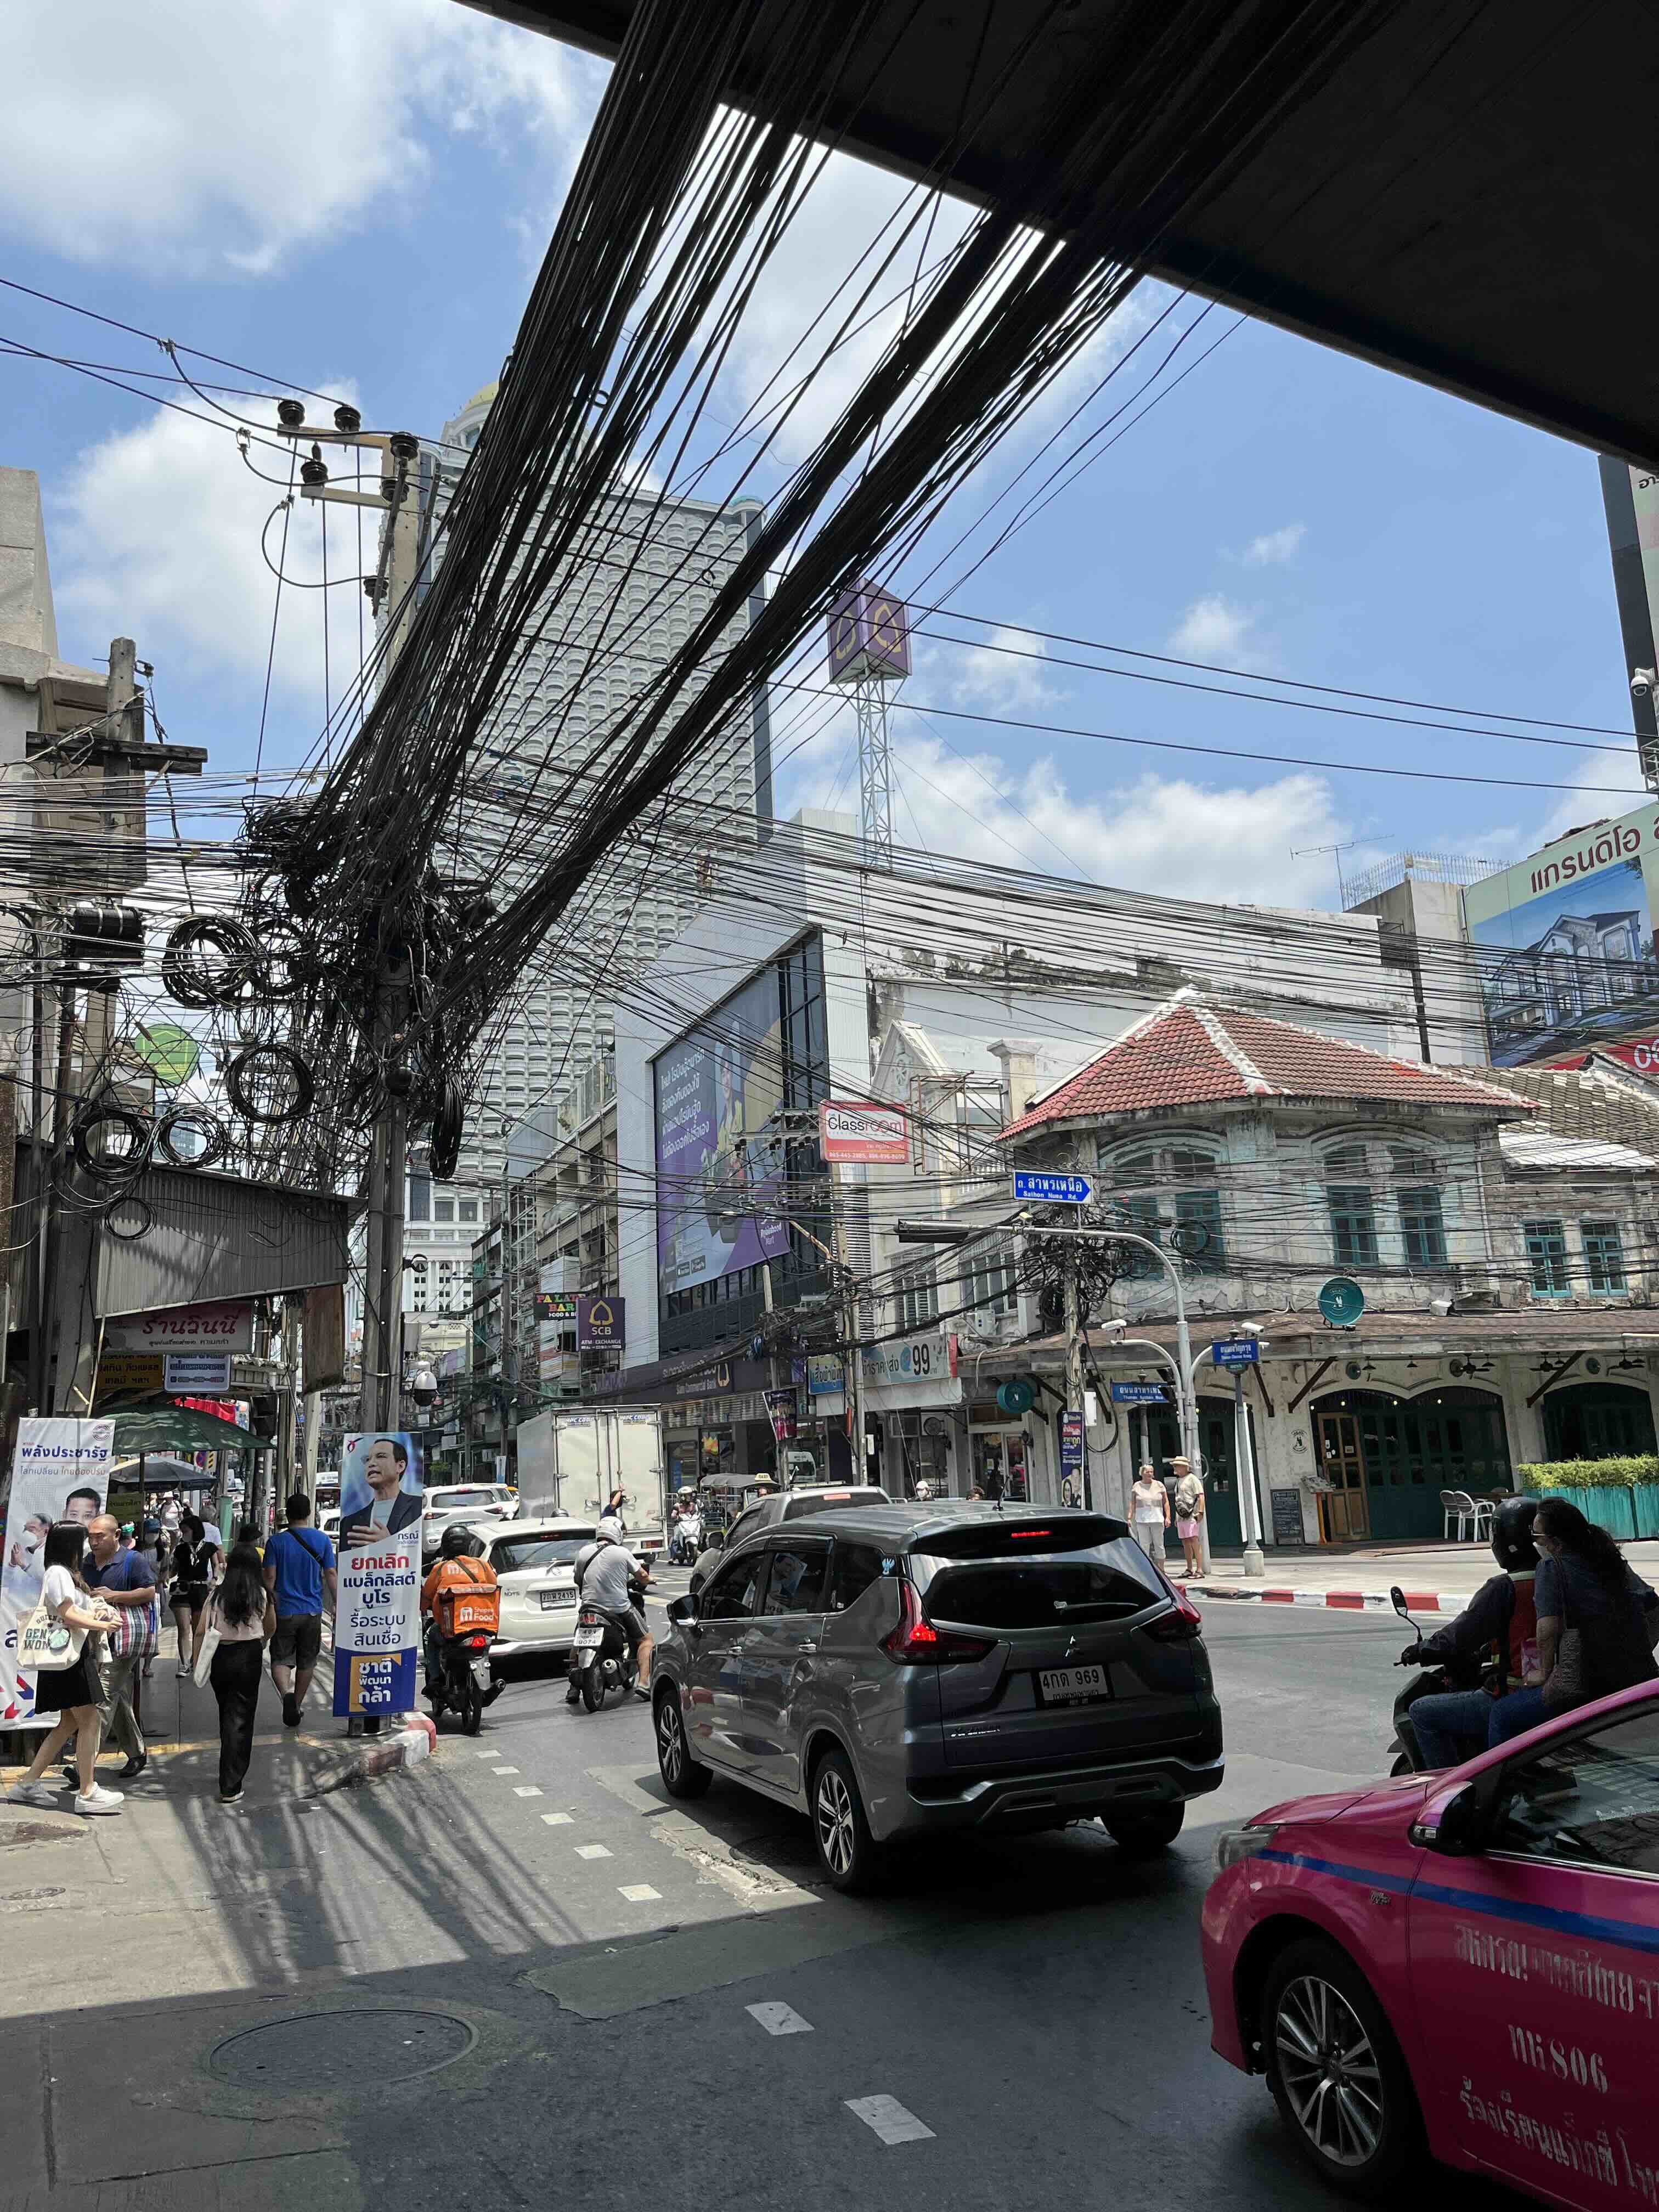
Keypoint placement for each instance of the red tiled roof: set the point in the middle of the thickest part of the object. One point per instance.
(1195, 1052)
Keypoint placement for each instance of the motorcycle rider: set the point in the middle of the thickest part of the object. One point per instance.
(1499, 1619)
(603, 1573)
(461, 1566)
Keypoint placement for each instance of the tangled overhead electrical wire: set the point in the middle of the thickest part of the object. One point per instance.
(677, 209)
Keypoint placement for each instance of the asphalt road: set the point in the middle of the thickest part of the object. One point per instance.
(1036, 2006)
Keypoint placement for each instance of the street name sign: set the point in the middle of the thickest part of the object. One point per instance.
(1236, 1352)
(1137, 1394)
(1041, 1190)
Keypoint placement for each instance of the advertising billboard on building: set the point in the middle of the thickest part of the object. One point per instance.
(859, 1133)
(716, 1091)
(1565, 940)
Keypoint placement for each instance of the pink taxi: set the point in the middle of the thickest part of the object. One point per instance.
(1465, 1963)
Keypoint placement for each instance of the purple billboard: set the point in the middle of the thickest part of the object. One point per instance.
(716, 1091)
(869, 635)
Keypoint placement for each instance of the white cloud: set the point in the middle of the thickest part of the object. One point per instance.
(1216, 628)
(193, 135)
(156, 535)
(1005, 675)
(1274, 547)
(1154, 834)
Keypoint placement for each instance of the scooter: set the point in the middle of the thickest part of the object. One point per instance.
(461, 1680)
(601, 1660)
(1432, 1682)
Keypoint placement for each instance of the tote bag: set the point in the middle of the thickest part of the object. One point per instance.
(47, 1645)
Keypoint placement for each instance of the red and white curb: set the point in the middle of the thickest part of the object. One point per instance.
(1339, 1600)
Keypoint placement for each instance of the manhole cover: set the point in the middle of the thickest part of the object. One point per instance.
(367, 2047)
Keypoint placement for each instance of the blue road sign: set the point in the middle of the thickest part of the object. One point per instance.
(1137, 1394)
(1052, 1189)
(1236, 1352)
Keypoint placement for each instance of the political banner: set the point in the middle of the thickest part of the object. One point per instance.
(60, 1472)
(377, 1622)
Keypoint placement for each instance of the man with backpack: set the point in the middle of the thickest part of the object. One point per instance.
(299, 1571)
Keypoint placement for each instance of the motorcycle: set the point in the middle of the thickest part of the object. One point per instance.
(600, 1659)
(461, 1680)
(683, 1548)
(1432, 1682)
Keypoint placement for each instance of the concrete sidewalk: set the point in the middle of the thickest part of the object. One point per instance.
(181, 1732)
(1435, 1577)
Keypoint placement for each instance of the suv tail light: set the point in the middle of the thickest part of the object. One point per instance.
(916, 1643)
(1182, 1626)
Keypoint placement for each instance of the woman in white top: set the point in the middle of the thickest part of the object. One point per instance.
(71, 1691)
(1149, 1504)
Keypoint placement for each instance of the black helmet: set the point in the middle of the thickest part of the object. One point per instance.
(460, 1543)
(1512, 1535)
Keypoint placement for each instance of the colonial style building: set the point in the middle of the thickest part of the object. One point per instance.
(1498, 1224)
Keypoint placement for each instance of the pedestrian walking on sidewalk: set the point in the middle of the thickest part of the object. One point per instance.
(299, 1570)
(192, 1579)
(1149, 1503)
(127, 1582)
(69, 1692)
(241, 1610)
(1189, 1515)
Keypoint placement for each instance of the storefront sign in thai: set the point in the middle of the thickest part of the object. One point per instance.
(825, 1377)
(916, 1360)
(196, 1370)
(377, 1622)
(226, 1325)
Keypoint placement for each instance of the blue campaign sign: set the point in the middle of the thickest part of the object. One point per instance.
(1236, 1352)
(1071, 1442)
(1052, 1189)
(1137, 1394)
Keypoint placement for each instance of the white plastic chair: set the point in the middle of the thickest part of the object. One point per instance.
(1459, 1506)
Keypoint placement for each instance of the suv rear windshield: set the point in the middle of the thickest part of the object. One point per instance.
(538, 1551)
(820, 1501)
(460, 1501)
(1108, 1581)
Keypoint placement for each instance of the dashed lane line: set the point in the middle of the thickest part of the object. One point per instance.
(557, 1820)
(640, 1893)
(592, 1851)
(778, 2019)
(888, 2118)
(527, 1790)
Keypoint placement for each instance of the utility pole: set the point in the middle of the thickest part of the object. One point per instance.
(1074, 1401)
(392, 585)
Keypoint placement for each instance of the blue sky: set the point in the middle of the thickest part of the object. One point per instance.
(356, 197)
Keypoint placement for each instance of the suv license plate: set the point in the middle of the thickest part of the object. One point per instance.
(1073, 1686)
(550, 1598)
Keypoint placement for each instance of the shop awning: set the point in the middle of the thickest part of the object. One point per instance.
(170, 1428)
(158, 1471)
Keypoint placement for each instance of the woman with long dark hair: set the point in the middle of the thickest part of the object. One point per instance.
(1595, 1623)
(192, 1579)
(237, 1612)
(69, 1692)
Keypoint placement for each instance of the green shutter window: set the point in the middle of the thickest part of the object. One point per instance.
(1604, 1257)
(1354, 1225)
(1546, 1255)
(1423, 1227)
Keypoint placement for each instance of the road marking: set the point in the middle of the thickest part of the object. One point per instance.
(778, 2019)
(527, 1790)
(486, 1754)
(557, 1820)
(640, 1893)
(501, 1771)
(592, 1851)
(889, 2119)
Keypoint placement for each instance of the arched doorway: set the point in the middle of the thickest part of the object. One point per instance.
(1215, 1441)
(1389, 1458)
(1597, 1420)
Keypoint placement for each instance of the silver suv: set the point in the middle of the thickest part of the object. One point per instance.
(899, 1669)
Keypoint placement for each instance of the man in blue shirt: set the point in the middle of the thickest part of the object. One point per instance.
(299, 1570)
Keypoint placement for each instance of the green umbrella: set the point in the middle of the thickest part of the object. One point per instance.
(181, 1429)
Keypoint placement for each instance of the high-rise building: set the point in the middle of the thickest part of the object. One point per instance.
(616, 616)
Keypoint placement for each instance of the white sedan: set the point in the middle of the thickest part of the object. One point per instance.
(535, 1562)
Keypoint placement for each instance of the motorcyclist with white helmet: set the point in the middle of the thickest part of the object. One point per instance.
(603, 1571)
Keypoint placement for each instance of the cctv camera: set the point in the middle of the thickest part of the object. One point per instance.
(1643, 680)
(1116, 1330)
(1249, 1329)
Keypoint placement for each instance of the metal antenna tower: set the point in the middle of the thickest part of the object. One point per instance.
(869, 652)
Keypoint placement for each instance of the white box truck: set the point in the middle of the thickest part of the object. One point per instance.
(569, 1462)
